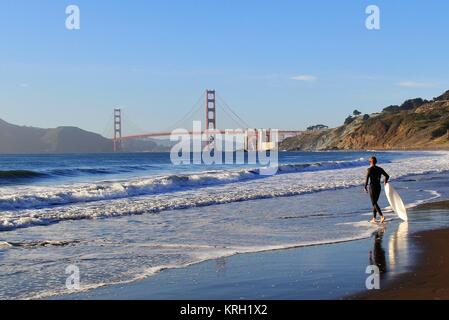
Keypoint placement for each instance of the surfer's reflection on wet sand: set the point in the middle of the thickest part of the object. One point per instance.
(398, 248)
(377, 255)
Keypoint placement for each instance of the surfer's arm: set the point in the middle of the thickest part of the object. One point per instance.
(387, 177)
(367, 179)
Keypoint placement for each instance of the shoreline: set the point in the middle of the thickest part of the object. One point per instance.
(268, 275)
(286, 274)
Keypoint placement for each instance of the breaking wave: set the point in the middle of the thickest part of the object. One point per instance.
(111, 190)
(11, 176)
(43, 205)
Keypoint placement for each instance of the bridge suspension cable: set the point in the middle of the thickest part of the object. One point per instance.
(195, 108)
(228, 110)
(108, 129)
(130, 124)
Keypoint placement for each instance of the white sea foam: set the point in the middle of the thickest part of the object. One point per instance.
(16, 198)
(153, 195)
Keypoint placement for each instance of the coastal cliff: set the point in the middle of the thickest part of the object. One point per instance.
(416, 124)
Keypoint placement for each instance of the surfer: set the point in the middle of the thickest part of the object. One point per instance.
(373, 178)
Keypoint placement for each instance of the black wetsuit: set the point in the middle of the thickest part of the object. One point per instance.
(373, 177)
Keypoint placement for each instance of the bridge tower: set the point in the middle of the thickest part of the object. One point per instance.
(211, 115)
(117, 130)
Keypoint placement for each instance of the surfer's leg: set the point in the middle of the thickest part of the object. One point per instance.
(376, 200)
(371, 194)
(379, 211)
(382, 218)
(375, 195)
(374, 213)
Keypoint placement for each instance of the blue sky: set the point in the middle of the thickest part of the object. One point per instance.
(278, 64)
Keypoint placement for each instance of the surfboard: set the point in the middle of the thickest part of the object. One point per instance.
(396, 202)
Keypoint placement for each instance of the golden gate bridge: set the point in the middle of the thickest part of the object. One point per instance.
(254, 139)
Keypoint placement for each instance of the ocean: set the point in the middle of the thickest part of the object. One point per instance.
(123, 217)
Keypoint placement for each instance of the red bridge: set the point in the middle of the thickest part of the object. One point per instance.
(252, 136)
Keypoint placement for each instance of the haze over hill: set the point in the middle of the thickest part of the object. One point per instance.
(16, 139)
(416, 124)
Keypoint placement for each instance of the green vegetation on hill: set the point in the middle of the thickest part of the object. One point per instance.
(416, 124)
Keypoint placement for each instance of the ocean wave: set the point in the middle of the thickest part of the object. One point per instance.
(319, 166)
(81, 171)
(10, 175)
(138, 206)
(72, 172)
(155, 195)
(38, 244)
(147, 186)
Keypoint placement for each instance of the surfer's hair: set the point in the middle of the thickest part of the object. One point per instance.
(374, 160)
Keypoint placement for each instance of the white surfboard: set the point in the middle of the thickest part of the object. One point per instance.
(396, 202)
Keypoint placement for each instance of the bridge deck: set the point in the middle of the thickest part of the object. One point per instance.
(193, 133)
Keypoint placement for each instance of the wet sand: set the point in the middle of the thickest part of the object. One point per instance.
(429, 277)
(319, 272)
(414, 265)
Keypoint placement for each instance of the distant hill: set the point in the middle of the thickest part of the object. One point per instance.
(416, 124)
(16, 139)
(20, 139)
